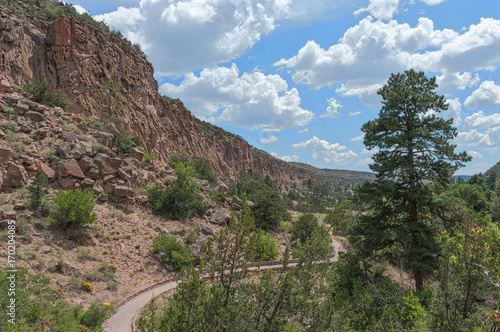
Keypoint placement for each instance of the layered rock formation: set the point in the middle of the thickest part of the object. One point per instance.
(79, 59)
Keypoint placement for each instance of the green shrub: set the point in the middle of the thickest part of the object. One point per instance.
(269, 209)
(148, 157)
(96, 315)
(123, 144)
(171, 251)
(263, 245)
(178, 201)
(304, 227)
(201, 166)
(74, 207)
(37, 192)
(42, 93)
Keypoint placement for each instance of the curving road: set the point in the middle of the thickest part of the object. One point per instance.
(124, 318)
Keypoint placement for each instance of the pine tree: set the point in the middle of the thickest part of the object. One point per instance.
(414, 149)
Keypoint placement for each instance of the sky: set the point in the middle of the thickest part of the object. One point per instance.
(299, 78)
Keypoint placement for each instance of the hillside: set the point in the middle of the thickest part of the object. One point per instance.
(81, 58)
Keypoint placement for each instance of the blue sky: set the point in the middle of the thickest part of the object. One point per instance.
(298, 79)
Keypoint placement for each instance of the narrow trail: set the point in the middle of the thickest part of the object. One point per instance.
(124, 318)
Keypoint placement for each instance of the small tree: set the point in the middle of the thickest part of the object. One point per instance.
(37, 192)
(413, 149)
(74, 207)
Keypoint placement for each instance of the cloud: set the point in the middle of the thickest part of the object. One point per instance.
(487, 95)
(332, 109)
(357, 138)
(354, 113)
(478, 168)
(182, 36)
(269, 140)
(370, 51)
(125, 20)
(251, 100)
(480, 120)
(364, 162)
(293, 157)
(453, 111)
(80, 10)
(475, 154)
(325, 152)
(449, 82)
(303, 131)
(381, 9)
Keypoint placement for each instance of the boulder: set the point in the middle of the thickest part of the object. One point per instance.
(207, 230)
(69, 136)
(250, 204)
(15, 176)
(85, 163)
(66, 184)
(137, 154)
(110, 128)
(94, 173)
(5, 86)
(237, 200)
(221, 187)
(21, 108)
(19, 207)
(63, 149)
(5, 154)
(122, 191)
(87, 183)
(49, 172)
(77, 152)
(219, 218)
(80, 236)
(97, 188)
(105, 138)
(123, 174)
(35, 116)
(70, 168)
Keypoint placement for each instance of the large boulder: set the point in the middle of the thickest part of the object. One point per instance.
(14, 177)
(48, 172)
(35, 116)
(70, 168)
(221, 187)
(219, 218)
(5, 154)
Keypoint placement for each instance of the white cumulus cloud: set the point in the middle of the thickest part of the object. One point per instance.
(268, 140)
(487, 95)
(326, 153)
(293, 157)
(332, 109)
(480, 120)
(369, 52)
(449, 82)
(251, 100)
(381, 9)
(475, 154)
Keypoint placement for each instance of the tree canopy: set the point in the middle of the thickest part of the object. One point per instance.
(413, 149)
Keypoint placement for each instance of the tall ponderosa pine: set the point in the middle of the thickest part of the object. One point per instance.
(413, 149)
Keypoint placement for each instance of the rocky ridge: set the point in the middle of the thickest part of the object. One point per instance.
(78, 58)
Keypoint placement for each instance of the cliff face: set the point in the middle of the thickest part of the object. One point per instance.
(79, 59)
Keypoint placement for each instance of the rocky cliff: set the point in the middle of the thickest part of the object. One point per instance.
(79, 58)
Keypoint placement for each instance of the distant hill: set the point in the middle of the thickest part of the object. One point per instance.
(463, 177)
(495, 169)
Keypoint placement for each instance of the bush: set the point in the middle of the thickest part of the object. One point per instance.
(37, 192)
(178, 201)
(263, 246)
(304, 227)
(96, 315)
(74, 207)
(201, 167)
(171, 251)
(123, 144)
(269, 209)
(42, 93)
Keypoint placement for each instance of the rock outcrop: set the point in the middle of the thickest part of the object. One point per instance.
(79, 59)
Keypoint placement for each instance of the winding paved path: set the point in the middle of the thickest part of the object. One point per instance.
(124, 318)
